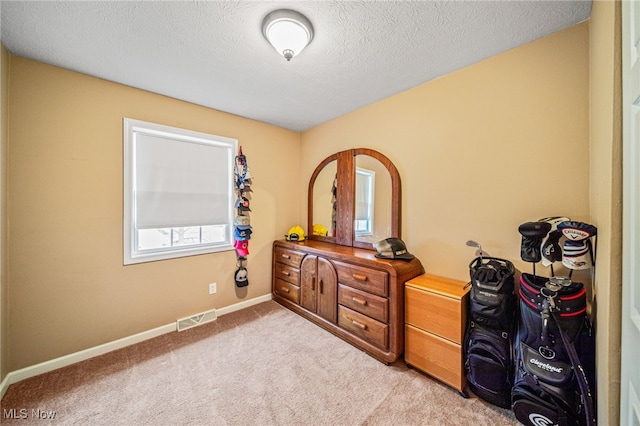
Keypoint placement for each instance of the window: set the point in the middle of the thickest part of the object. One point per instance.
(365, 182)
(178, 192)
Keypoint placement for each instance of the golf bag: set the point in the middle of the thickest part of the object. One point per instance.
(555, 354)
(488, 346)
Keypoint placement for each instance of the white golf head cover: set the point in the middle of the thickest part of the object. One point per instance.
(577, 231)
(576, 255)
(550, 247)
(577, 247)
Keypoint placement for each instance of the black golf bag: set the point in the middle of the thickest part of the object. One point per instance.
(488, 346)
(555, 355)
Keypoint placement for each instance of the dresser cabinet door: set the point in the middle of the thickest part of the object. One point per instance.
(319, 287)
(308, 272)
(327, 290)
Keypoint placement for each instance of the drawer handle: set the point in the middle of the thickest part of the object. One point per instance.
(359, 277)
(284, 290)
(359, 301)
(285, 273)
(359, 324)
(286, 256)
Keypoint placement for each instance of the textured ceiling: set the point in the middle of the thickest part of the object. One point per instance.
(212, 53)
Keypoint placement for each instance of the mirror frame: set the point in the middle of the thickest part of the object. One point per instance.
(345, 197)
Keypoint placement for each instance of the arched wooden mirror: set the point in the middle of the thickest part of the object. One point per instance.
(355, 196)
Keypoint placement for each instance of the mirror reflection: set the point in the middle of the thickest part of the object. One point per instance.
(324, 193)
(373, 203)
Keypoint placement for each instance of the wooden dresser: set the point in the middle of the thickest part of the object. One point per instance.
(435, 322)
(347, 291)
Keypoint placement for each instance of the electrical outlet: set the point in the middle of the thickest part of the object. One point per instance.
(213, 287)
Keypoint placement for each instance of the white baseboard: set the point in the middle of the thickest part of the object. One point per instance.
(63, 361)
(241, 305)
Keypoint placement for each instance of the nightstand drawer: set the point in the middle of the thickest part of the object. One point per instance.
(435, 313)
(435, 356)
(368, 304)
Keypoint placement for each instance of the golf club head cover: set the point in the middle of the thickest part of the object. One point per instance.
(532, 235)
(576, 254)
(577, 231)
(551, 251)
(550, 248)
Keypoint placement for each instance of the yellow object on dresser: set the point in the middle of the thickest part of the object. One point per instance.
(435, 321)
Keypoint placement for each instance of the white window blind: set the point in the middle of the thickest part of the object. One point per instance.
(178, 192)
(180, 183)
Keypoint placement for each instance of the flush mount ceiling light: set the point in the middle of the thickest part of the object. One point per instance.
(288, 32)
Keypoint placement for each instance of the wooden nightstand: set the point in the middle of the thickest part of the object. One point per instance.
(435, 322)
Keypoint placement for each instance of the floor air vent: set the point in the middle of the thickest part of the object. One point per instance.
(196, 320)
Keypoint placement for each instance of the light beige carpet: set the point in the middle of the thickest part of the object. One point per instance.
(263, 365)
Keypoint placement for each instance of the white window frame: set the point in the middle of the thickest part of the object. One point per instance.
(131, 128)
(369, 191)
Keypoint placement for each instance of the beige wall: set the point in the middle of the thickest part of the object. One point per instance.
(68, 289)
(606, 196)
(480, 150)
(4, 90)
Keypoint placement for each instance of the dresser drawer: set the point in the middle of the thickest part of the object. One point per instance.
(435, 313)
(286, 290)
(288, 257)
(364, 327)
(435, 356)
(287, 273)
(369, 280)
(373, 306)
